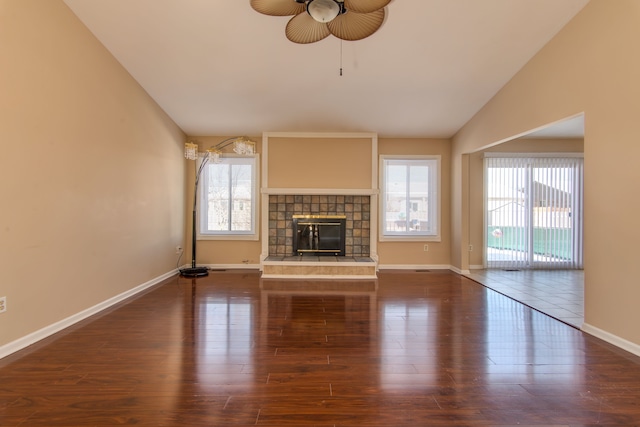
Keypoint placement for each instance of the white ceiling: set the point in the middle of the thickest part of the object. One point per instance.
(569, 128)
(218, 67)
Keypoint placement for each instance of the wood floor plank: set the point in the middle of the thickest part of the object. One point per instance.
(412, 348)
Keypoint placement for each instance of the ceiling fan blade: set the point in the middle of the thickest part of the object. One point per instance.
(356, 26)
(365, 6)
(303, 29)
(278, 7)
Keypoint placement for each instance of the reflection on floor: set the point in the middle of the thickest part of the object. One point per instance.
(558, 293)
(408, 349)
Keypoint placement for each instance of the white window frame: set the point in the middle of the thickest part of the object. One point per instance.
(434, 191)
(202, 212)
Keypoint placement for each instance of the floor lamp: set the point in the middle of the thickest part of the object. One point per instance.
(241, 145)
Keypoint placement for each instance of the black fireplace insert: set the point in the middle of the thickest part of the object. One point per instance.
(319, 234)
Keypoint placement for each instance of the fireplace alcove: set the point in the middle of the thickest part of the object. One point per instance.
(284, 209)
(341, 181)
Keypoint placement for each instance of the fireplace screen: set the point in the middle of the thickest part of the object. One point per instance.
(319, 234)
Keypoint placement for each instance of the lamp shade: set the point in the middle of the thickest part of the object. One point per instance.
(190, 150)
(323, 10)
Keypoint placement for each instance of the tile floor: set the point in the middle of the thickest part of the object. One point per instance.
(557, 293)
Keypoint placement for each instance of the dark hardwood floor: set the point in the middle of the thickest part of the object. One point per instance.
(410, 349)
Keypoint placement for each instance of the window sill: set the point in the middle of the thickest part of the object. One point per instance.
(251, 237)
(410, 239)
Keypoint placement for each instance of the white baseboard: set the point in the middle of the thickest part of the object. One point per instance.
(611, 339)
(459, 271)
(321, 276)
(231, 266)
(413, 267)
(47, 331)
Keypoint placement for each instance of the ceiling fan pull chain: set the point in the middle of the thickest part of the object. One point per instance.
(341, 57)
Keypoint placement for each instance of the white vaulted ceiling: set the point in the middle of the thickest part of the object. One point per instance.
(218, 67)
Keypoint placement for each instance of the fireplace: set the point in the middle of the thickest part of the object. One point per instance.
(282, 208)
(319, 234)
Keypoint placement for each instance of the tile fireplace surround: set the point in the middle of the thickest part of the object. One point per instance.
(355, 208)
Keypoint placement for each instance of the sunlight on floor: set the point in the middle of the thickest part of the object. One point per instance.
(557, 293)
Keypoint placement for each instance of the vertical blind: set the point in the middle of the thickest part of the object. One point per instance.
(533, 212)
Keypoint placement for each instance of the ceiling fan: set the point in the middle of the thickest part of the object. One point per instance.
(314, 20)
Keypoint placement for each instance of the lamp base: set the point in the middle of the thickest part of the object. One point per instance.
(194, 272)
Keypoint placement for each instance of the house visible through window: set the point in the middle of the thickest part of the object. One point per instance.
(410, 197)
(228, 198)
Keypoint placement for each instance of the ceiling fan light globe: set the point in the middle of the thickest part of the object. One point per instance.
(323, 10)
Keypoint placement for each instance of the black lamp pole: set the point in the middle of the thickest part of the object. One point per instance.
(194, 271)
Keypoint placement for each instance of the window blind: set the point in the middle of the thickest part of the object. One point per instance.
(533, 212)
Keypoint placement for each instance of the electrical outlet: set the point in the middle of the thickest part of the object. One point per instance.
(178, 249)
(3, 304)
(426, 248)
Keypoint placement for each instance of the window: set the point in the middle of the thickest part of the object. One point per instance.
(410, 197)
(227, 198)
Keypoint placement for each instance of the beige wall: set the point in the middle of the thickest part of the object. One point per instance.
(591, 66)
(319, 163)
(476, 183)
(92, 171)
(293, 162)
(413, 253)
(352, 170)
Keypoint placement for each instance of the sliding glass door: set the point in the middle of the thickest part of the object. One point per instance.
(533, 212)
